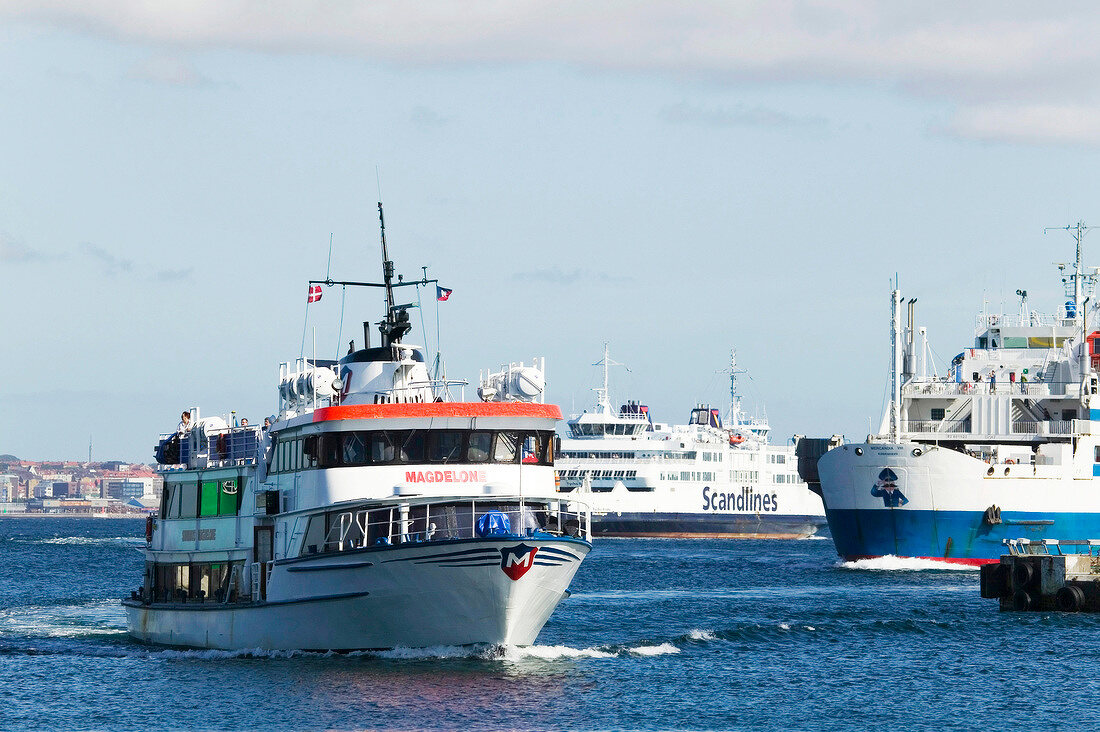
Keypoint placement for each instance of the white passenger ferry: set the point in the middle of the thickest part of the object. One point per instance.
(1005, 445)
(373, 513)
(700, 479)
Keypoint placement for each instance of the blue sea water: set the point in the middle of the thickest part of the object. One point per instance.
(659, 634)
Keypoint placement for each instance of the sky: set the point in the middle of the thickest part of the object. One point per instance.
(673, 178)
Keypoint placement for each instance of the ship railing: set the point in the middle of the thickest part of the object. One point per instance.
(216, 447)
(1033, 388)
(936, 425)
(1052, 547)
(1047, 427)
(418, 521)
(1054, 427)
(1018, 320)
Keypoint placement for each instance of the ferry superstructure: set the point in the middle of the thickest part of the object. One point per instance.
(1005, 446)
(374, 512)
(700, 479)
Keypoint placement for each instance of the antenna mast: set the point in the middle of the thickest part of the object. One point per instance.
(396, 324)
(1079, 286)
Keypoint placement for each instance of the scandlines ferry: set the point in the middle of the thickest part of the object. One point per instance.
(1006, 445)
(373, 513)
(700, 479)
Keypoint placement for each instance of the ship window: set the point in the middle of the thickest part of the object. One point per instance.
(353, 451)
(310, 451)
(189, 500)
(1098, 453)
(530, 449)
(208, 498)
(1068, 414)
(504, 449)
(480, 445)
(938, 414)
(445, 446)
(381, 448)
(412, 446)
(330, 450)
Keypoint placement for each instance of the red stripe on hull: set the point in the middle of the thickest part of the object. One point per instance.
(968, 561)
(438, 409)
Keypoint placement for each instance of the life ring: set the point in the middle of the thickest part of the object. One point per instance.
(1010, 461)
(737, 439)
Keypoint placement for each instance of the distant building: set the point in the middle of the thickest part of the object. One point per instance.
(124, 488)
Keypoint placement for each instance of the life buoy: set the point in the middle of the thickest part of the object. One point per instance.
(1010, 461)
(737, 439)
(148, 529)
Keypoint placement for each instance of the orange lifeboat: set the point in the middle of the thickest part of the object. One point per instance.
(736, 439)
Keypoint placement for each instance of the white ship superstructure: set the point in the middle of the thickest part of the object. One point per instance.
(374, 512)
(705, 478)
(1006, 445)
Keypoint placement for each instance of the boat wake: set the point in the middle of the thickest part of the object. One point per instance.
(98, 629)
(890, 563)
(90, 541)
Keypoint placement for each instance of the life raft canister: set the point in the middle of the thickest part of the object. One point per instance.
(737, 439)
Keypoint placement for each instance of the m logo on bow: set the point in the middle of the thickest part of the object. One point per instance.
(516, 561)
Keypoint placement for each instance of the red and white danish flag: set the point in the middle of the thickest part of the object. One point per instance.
(314, 293)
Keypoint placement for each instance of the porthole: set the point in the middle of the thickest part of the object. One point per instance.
(990, 471)
(859, 451)
(917, 452)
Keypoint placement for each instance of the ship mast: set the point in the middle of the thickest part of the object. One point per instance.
(1079, 285)
(603, 399)
(396, 323)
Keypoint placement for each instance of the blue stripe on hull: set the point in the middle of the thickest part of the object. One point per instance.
(700, 524)
(958, 535)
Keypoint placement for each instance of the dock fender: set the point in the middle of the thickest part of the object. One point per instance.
(1069, 599)
(1022, 574)
(1022, 600)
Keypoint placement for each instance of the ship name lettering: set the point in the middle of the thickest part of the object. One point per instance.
(747, 500)
(445, 476)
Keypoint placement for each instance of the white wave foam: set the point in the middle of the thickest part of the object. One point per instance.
(701, 635)
(891, 563)
(92, 541)
(64, 621)
(660, 650)
(784, 626)
(552, 653)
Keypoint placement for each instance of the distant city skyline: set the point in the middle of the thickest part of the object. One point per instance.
(676, 179)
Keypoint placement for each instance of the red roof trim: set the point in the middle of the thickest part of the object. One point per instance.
(438, 409)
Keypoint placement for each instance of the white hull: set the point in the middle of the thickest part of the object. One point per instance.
(446, 593)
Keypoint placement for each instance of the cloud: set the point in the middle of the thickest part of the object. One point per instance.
(558, 276)
(738, 116)
(168, 70)
(111, 264)
(1067, 124)
(13, 252)
(1020, 63)
(173, 275)
(426, 117)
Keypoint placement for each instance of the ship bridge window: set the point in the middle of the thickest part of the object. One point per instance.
(504, 447)
(413, 446)
(418, 446)
(444, 446)
(480, 445)
(353, 449)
